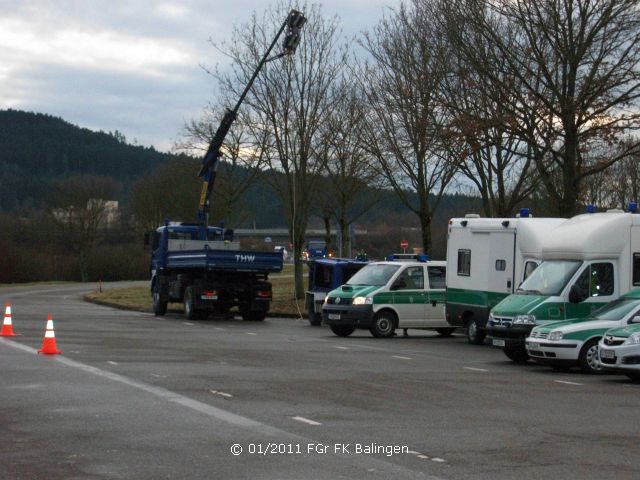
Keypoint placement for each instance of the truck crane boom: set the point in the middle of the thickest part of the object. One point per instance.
(293, 23)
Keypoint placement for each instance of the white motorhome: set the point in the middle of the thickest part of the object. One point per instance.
(487, 258)
(589, 260)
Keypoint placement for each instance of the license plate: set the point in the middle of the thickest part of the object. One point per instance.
(534, 346)
(498, 342)
(607, 354)
(334, 316)
(209, 297)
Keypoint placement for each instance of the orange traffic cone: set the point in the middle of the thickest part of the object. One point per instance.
(7, 327)
(49, 343)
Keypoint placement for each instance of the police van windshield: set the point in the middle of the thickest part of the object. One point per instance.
(376, 275)
(615, 310)
(549, 278)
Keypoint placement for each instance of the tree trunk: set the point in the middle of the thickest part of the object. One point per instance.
(425, 224)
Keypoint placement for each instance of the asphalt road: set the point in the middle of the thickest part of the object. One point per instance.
(139, 397)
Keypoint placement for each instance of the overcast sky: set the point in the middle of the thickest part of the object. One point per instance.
(129, 65)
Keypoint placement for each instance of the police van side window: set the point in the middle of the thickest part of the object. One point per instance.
(529, 267)
(411, 279)
(464, 263)
(596, 281)
(437, 277)
(636, 269)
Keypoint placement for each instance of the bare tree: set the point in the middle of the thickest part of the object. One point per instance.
(288, 103)
(78, 207)
(404, 119)
(575, 63)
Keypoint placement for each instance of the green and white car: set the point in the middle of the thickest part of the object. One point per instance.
(619, 349)
(387, 295)
(575, 342)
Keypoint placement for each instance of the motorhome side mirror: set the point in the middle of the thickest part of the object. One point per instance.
(576, 295)
(636, 319)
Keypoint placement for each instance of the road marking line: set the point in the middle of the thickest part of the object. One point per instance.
(475, 369)
(188, 323)
(343, 348)
(222, 394)
(426, 457)
(306, 420)
(569, 383)
(413, 452)
(251, 333)
(439, 460)
(401, 357)
(158, 376)
(112, 363)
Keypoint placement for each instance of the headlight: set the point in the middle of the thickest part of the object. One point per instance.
(490, 320)
(555, 336)
(524, 320)
(633, 339)
(326, 299)
(362, 301)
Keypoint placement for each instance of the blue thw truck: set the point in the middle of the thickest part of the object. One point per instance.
(201, 265)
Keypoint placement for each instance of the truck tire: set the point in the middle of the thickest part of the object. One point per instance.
(475, 334)
(384, 325)
(588, 358)
(341, 330)
(190, 310)
(517, 355)
(254, 315)
(315, 319)
(159, 306)
(445, 332)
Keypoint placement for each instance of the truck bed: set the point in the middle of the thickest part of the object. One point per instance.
(235, 260)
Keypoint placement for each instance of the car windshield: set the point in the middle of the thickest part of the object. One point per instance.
(616, 310)
(549, 278)
(377, 275)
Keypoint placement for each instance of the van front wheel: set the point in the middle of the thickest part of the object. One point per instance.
(383, 326)
(517, 355)
(475, 334)
(589, 362)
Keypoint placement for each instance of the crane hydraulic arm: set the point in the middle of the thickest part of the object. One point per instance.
(293, 23)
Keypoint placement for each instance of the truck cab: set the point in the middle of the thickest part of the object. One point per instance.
(588, 261)
(384, 296)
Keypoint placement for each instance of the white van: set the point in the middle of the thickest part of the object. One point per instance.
(487, 258)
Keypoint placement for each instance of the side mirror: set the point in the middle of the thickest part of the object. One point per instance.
(398, 284)
(576, 295)
(636, 319)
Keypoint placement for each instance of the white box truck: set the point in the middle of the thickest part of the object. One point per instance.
(487, 259)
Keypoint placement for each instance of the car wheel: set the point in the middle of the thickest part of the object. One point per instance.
(342, 331)
(633, 376)
(588, 358)
(445, 332)
(475, 334)
(159, 306)
(383, 326)
(517, 354)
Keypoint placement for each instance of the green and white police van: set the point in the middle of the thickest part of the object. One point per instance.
(575, 342)
(619, 349)
(487, 258)
(588, 261)
(384, 296)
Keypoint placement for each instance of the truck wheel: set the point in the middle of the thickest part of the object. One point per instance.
(475, 335)
(254, 315)
(341, 330)
(383, 326)
(445, 332)
(517, 354)
(588, 359)
(159, 306)
(189, 306)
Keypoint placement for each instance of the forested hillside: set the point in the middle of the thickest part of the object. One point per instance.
(36, 149)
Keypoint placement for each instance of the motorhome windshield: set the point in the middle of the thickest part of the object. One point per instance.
(376, 275)
(549, 278)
